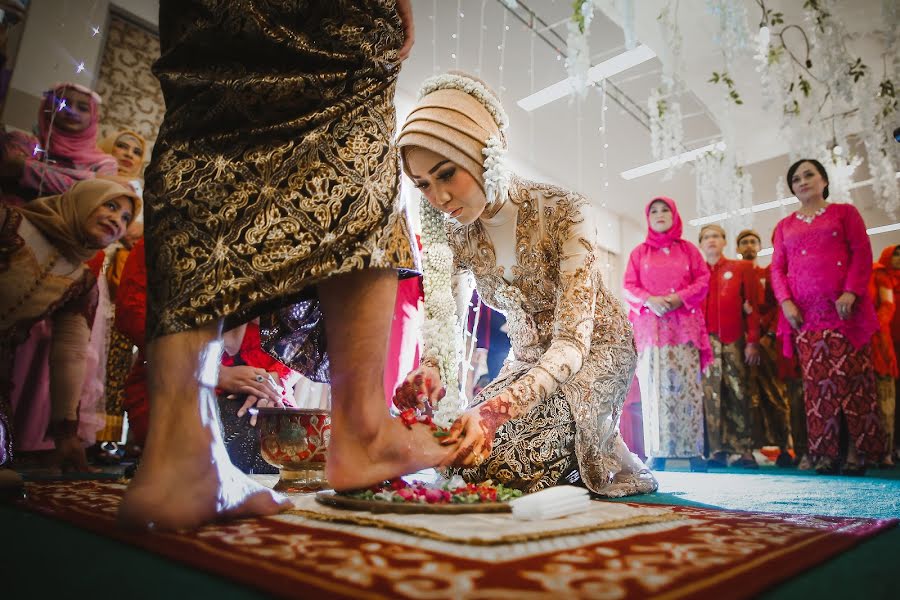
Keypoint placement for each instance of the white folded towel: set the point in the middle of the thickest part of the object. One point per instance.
(551, 503)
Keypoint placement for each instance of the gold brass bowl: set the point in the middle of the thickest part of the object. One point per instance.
(295, 441)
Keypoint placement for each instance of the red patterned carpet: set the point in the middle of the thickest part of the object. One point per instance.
(712, 553)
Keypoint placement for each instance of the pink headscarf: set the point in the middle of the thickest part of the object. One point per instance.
(666, 238)
(80, 148)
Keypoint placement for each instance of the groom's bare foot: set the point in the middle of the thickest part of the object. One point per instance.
(187, 491)
(185, 479)
(396, 450)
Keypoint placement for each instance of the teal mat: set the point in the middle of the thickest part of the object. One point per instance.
(782, 491)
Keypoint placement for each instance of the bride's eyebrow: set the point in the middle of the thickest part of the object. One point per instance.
(433, 169)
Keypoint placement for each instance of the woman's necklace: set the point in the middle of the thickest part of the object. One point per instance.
(808, 219)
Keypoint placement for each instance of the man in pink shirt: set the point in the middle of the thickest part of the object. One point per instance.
(734, 337)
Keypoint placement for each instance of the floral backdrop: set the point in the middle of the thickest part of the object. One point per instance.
(132, 98)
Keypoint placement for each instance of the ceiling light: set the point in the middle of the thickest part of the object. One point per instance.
(679, 159)
(743, 211)
(883, 229)
(608, 68)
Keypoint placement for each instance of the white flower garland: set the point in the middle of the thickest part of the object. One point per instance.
(666, 133)
(440, 331)
(840, 169)
(496, 173)
(579, 53)
(733, 34)
(872, 111)
(671, 51)
(442, 326)
(723, 187)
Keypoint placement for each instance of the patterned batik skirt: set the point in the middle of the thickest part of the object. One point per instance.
(532, 452)
(839, 380)
(671, 401)
(274, 168)
(571, 437)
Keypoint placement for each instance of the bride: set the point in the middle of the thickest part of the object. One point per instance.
(552, 415)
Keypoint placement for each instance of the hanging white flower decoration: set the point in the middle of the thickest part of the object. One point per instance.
(440, 329)
(666, 133)
(578, 61)
(496, 173)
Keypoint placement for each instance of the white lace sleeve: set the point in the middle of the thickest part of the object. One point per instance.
(573, 325)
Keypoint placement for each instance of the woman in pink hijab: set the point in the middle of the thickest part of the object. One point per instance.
(665, 281)
(65, 151)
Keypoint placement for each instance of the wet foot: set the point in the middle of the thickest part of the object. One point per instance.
(396, 450)
(190, 491)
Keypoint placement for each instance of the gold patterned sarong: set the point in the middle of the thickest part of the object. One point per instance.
(274, 168)
(727, 400)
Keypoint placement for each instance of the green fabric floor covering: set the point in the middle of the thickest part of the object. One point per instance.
(43, 558)
(771, 489)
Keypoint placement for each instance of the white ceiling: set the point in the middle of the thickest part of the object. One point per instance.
(549, 139)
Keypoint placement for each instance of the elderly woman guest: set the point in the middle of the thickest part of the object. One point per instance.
(552, 414)
(821, 268)
(43, 248)
(666, 282)
(65, 150)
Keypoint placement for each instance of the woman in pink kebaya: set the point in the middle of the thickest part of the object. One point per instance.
(665, 282)
(820, 275)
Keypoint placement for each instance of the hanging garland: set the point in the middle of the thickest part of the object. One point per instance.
(732, 38)
(579, 54)
(802, 87)
(440, 328)
(724, 187)
(666, 134)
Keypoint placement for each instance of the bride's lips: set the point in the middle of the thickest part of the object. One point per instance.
(456, 212)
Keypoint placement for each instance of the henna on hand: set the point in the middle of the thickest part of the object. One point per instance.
(405, 396)
(493, 413)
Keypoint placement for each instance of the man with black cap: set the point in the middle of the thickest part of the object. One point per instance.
(774, 382)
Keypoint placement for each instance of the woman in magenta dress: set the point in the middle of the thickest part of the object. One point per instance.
(820, 275)
(64, 152)
(665, 281)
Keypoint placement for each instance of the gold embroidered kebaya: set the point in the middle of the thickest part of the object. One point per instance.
(573, 354)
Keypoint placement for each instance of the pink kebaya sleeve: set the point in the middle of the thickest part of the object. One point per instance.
(779, 268)
(635, 294)
(860, 271)
(694, 292)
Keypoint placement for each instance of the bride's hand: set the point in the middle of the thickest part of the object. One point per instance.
(421, 390)
(474, 431)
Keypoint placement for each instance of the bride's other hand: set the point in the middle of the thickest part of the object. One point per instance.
(421, 390)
